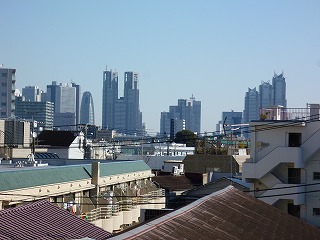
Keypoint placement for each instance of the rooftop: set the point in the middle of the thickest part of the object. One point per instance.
(18, 178)
(226, 214)
(43, 220)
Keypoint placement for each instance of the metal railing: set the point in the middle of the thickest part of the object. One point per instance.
(113, 209)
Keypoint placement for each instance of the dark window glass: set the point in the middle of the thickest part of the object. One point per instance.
(316, 175)
(294, 139)
(294, 175)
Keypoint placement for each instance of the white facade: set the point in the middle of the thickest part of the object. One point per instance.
(284, 166)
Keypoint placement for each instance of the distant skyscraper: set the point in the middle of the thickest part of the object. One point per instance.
(7, 92)
(131, 96)
(279, 90)
(251, 105)
(109, 98)
(78, 97)
(266, 95)
(31, 93)
(251, 109)
(187, 110)
(121, 114)
(87, 109)
(66, 104)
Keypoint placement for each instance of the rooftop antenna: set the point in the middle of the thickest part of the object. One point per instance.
(106, 67)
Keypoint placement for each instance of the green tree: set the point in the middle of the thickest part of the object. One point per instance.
(186, 136)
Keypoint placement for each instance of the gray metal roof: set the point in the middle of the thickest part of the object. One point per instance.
(17, 178)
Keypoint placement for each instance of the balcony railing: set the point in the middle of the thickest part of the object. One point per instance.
(280, 113)
(113, 209)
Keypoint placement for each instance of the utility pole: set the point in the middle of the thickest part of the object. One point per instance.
(33, 132)
(85, 127)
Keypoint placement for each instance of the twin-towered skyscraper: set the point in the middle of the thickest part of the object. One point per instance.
(122, 114)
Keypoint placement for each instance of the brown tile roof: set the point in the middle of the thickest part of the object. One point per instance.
(43, 220)
(173, 183)
(227, 214)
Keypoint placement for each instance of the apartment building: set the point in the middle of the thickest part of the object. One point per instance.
(284, 166)
(111, 195)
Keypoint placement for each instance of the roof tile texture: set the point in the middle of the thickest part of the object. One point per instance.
(227, 214)
(43, 220)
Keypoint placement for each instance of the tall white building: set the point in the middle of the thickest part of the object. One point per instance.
(66, 104)
(284, 165)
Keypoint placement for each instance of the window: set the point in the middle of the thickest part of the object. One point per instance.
(316, 175)
(294, 139)
(3, 94)
(294, 175)
(316, 211)
(294, 210)
(4, 74)
(3, 104)
(4, 84)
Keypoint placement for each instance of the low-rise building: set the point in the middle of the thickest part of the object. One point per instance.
(111, 195)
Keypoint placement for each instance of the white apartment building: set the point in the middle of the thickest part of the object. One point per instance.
(284, 166)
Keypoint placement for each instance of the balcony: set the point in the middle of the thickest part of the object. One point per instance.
(112, 215)
(256, 170)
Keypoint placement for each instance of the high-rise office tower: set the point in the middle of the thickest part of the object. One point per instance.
(266, 94)
(279, 90)
(251, 109)
(109, 98)
(32, 93)
(87, 109)
(78, 97)
(121, 114)
(187, 110)
(66, 104)
(131, 96)
(251, 105)
(7, 92)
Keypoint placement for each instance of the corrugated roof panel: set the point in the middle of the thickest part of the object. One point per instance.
(24, 178)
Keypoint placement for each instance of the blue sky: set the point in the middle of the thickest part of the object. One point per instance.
(214, 50)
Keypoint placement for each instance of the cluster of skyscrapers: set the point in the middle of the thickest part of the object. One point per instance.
(59, 107)
(121, 113)
(63, 106)
(185, 116)
(269, 95)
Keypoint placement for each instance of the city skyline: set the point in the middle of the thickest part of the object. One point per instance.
(213, 50)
